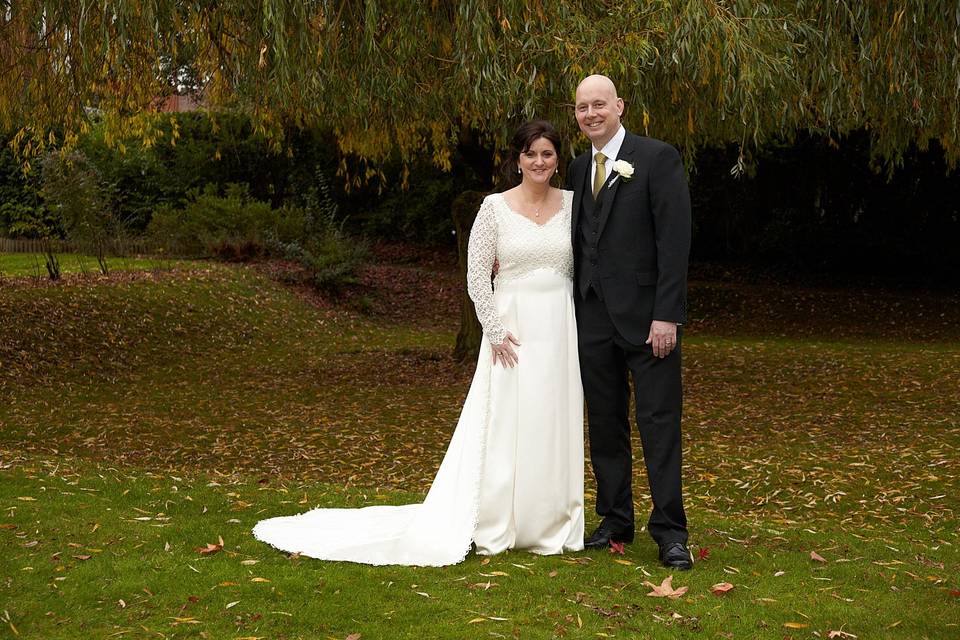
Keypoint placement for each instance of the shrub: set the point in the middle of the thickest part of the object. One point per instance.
(330, 256)
(233, 226)
(73, 189)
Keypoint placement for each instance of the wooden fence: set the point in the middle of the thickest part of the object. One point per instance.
(112, 247)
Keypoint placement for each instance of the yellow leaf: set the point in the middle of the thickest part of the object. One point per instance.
(259, 580)
(626, 562)
(795, 625)
(476, 620)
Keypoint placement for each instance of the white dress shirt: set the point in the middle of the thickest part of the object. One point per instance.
(610, 150)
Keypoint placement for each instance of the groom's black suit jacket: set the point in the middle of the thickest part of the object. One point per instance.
(634, 252)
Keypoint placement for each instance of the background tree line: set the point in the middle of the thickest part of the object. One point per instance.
(811, 205)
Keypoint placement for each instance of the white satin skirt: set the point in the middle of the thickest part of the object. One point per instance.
(512, 476)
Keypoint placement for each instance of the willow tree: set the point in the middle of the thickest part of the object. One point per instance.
(418, 78)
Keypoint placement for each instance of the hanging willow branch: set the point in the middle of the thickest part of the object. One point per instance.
(413, 77)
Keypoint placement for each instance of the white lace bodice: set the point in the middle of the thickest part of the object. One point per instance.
(520, 245)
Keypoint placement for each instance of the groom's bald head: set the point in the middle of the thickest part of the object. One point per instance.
(598, 109)
(598, 83)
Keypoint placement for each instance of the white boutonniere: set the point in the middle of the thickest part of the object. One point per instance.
(623, 169)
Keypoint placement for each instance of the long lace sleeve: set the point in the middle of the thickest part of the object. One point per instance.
(481, 254)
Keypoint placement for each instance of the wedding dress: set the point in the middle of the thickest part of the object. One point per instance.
(512, 477)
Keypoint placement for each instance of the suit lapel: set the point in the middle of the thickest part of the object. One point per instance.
(609, 189)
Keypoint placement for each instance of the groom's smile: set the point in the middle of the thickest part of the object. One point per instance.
(598, 109)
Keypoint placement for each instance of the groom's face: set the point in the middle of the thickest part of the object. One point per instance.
(598, 110)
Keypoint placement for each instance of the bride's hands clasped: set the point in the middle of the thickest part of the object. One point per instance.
(504, 351)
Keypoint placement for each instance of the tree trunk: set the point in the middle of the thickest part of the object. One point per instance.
(464, 212)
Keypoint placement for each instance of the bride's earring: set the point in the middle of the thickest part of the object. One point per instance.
(519, 170)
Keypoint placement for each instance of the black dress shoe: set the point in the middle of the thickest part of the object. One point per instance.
(676, 555)
(603, 536)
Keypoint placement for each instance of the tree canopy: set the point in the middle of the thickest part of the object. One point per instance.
(391, 76)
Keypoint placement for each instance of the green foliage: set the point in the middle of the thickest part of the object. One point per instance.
(22, 210)
(419, 212)
(235, 226)
(416, 78)
(329, 255)
(232, 226)
(21, 220)
(189, 151)
(72, 188)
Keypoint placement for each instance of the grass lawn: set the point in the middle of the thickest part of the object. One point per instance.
(146, 416)
(17, 265)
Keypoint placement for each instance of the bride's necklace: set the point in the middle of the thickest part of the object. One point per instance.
(537, 208)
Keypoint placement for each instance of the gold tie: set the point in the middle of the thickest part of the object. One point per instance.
(601, 175)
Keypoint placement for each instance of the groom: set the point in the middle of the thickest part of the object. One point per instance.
(631, 240)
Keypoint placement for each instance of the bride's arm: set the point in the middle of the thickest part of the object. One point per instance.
(481, 254)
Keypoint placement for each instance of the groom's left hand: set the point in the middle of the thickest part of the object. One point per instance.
(663, 337)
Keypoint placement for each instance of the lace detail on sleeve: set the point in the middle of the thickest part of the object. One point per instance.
(481, 253)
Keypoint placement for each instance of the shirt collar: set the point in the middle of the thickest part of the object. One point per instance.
(612, 149)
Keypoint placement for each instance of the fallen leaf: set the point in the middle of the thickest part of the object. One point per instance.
(476, 620)
(27, 498)
(616, 547)
(554, 573)
(82, 557)
(721, 588)
(486, 586)
(353, 636)
(840, 634)
(210, 549)
(665, 589)
(230, 605)
(249, 562)
(626, 562)
(258, 579)
(795, 625)
(703, 553)
(123, 605)
(816, 556)
(955, 593)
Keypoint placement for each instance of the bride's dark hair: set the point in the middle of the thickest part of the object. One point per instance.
(526, 135)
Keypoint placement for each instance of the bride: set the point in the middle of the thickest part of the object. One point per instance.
(512, 477)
